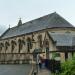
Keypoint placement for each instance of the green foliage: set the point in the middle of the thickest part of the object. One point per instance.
(68, 67)
(54, 55)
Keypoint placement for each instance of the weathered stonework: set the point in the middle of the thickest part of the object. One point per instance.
(18, 44)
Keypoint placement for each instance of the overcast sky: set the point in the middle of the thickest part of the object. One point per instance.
(12, 10)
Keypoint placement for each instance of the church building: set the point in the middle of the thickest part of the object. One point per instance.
(51, 36)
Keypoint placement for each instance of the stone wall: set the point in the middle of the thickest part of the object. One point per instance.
(15, 49)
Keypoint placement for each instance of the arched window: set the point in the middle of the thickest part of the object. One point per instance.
(46, 43)
(6, 45)
(21, 42)
(40, 40)
(13, 44)
(29, 44)
(33, 37)
(1, 46)
(20, 45)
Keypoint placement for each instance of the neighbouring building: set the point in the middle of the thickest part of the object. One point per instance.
(47, 34)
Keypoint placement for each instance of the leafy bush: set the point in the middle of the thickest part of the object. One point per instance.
(68, 67)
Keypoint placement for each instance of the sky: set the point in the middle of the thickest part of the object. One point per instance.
(12, 10)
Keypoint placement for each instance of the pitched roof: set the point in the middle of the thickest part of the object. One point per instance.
(49, 21)
(63, 39)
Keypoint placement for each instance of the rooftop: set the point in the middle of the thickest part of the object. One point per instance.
(53, 20)
(63, 39)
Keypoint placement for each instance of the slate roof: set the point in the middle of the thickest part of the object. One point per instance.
(53, 20)
(63, 39)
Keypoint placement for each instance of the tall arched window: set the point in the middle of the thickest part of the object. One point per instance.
(21, 42)
(20, 45)
(13, 44)
(46, 43)
(1, 46)
(29, 44)
(6, 45)
(40, 40)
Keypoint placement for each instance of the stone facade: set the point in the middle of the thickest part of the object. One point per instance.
(16, 47)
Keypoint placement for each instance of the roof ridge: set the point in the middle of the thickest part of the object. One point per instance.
(53, 20)
(39, 18)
